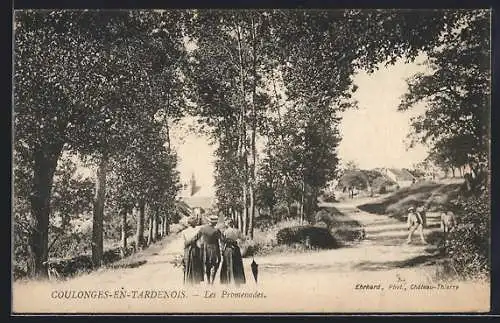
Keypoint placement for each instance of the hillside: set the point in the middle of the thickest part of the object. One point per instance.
(428, 194)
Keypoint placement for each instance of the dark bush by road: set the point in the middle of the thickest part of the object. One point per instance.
(311, 236)
(469, 245)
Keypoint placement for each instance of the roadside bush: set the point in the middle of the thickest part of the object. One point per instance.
(264, 222)
(69, 267)
(111, 255)
(329, 197)
(323, 216)
(469, 245)
(309, 235)
(72, 244)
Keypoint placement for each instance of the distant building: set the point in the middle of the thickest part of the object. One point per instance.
(196, 197)
(401, 176)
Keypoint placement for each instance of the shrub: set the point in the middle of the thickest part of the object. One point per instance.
(469, 245)
(264, 222)
(323, 216)
(329, 197)
(71, 244)
(69, 267)
(111, 255)
(309, 235)
(280, 212)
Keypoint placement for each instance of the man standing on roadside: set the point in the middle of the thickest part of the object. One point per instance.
(415, 222)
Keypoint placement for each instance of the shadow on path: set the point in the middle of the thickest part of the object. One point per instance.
(422, 260)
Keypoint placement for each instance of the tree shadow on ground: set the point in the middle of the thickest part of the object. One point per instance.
(421, 260)
(381, 206)
(432, 256)
(394, 238)
(377, 231)
(338, 218)
(135, 264)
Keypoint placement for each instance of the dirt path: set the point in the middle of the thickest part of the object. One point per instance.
(321, 279)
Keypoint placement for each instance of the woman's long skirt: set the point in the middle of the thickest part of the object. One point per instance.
(193, 265)
(232, 266)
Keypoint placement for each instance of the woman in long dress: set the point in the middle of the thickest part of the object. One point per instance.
(232, 271)
(193, 265)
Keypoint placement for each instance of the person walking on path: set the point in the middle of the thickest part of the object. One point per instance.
(192, 262)
(415, 222)
(232, 271)
(448, 222)
(211, 240)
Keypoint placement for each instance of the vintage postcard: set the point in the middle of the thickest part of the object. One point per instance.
(251, 161)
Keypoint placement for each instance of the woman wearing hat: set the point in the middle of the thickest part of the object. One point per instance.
(415, 222)
(232, 262)
(211, 239)
(193, 266)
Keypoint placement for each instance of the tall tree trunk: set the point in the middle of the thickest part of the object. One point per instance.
(243, 130)
(150, 227)
(139, 239)
(45, 163)
(251, 216)
(302, 200)
(245, 214)
(167, 224)
(156, 226)
(235, 216)
(124, 228)
(240, 221)
(253, 134)
(162, 226)
(98, 218)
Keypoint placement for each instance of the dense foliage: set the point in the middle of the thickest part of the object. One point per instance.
(96, 85)
(469, 245)
(101, 90)
(457, 95)
(310, 236)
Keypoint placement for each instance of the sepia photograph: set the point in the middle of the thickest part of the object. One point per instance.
(255, 161)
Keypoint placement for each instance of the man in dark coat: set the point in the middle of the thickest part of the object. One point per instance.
(211, 240)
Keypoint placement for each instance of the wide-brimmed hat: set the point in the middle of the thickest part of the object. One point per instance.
(411, 208)
(213, 218)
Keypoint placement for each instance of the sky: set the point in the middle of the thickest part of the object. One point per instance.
(375, 135)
